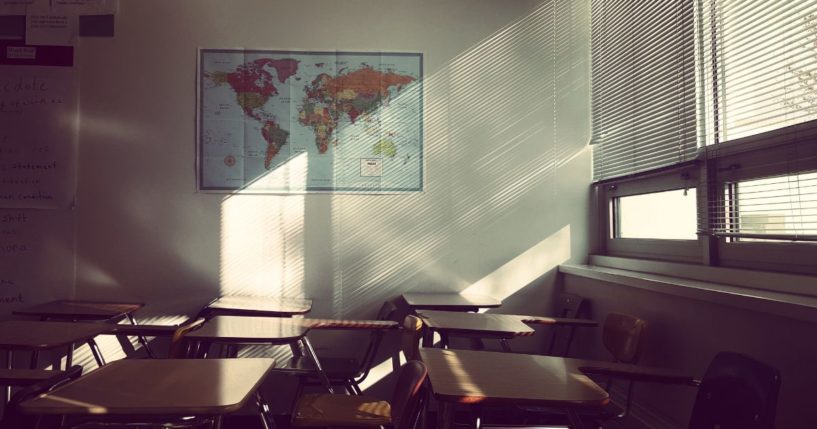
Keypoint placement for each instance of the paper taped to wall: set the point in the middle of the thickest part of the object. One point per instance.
(38, 133)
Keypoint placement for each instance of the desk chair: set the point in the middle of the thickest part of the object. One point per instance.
(348, 372)
(325, 410)
(737, 392)
(569, 306)
(412, 334)
(623, 337)
(179, 347)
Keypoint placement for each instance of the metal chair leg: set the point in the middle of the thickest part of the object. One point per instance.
(310, 352)
(266, 416)
(142, 340)
(97, 354)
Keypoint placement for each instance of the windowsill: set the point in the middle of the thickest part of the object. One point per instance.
(710, 285)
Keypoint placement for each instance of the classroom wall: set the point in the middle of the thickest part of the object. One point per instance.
(685, 334)
(506, 160)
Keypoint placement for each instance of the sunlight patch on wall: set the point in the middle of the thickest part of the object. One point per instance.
(112, 128)
(525, 268)
(262, 245)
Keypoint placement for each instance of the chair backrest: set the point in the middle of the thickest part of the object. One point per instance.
(407, 397)
(737, 392)
(12, 419)
(412, 333)
(570, 306)
(623, 336)
(178, 346)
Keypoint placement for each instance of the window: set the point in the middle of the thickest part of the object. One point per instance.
(669, 215)
(782, 208)
(744, 192)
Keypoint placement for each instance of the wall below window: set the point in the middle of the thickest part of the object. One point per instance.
(685, 334)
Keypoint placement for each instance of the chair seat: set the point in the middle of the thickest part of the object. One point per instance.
(340, 410)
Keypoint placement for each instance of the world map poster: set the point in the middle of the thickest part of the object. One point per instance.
(293, 121)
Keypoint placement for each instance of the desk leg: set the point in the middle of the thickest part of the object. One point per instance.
(69, 357)
(97, 354)
(217, 421)
(142, 340)
(263, 408)
(310, 352)
(35, 356)
(445, 415)
(9, 364)
(505, 346)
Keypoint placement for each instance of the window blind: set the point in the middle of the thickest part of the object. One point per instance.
(758, 79)
(643, 86)
(758, 66)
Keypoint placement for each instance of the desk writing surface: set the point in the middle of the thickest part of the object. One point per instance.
(248, 329)
(467, 376)
(348, 324)
(37, 335)
(86, 310)
(475, 323)
(157, 387)
(449, 301)
(25, 377)
(562, 321)
(247, 305)
(635, 372)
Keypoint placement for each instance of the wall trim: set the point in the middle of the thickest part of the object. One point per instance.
(801, 307)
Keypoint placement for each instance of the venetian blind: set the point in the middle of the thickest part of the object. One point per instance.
(643, 85)
(758, 74)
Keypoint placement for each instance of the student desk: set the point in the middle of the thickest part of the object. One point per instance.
(35, 336)
(235, 330)
(474, 325)
(87, 311)
(449, 301)
(479, 377)
(159, 387)
(245, 305)
(25, 377)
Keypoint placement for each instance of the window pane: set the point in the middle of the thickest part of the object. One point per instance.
(784, 205)
(667, 215)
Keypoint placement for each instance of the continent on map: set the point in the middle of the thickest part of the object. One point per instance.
(254, 85)
(276, 137)
(353, 94)
(385, 147)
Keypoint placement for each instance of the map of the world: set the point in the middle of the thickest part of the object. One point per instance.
(292, 121)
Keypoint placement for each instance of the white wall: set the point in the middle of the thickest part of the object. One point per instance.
(506, 189)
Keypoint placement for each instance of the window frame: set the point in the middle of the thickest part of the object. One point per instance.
(785, 151)
(790, 150)
(653, 248)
